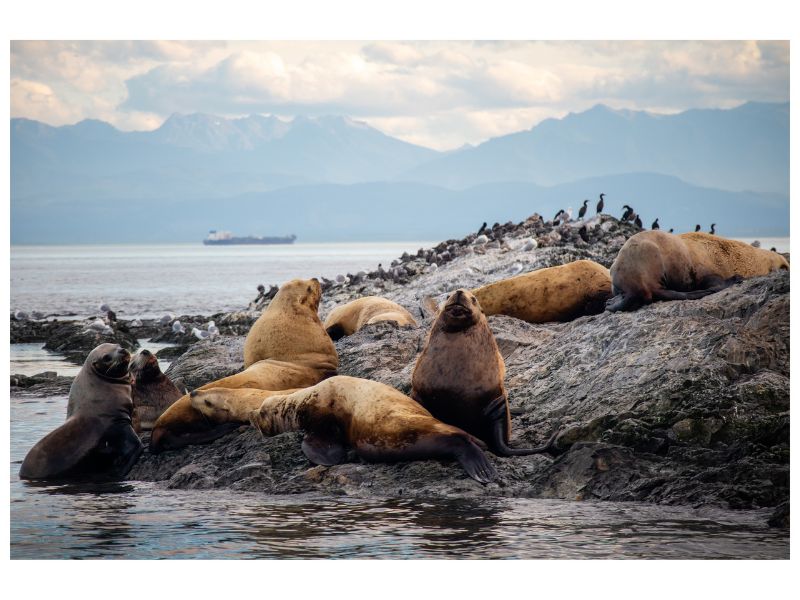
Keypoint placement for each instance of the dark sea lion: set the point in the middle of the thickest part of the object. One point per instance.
(97, 439)
(459, 375)
(378, 422)
(287, 348)
(560, 293)
(654, 265)
(351, 317)
(152, 391)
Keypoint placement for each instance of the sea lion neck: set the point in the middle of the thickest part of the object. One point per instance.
(124, 379)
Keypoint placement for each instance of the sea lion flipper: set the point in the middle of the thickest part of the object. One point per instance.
(61, 450)
(476, 464)
(323, 450)
(496, 413)
(126, 447)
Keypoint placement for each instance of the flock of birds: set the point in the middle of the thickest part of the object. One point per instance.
(565, 216)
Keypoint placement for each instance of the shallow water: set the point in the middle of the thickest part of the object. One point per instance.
(147, 281)
(140, 520)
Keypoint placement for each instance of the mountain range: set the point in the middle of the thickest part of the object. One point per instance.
(333, 178)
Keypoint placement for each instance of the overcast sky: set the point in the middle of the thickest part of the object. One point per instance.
(437, 94)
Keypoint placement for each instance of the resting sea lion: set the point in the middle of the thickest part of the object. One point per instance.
(378, 422)
(152, 391)
(97, 439)
(351, 317)
(558, 293)
(653, 265)
(287, 348)
(459, 375)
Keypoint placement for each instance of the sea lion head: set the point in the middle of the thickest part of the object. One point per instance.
(109, 361)
(302, 294)
(460, 311)
(144, 367)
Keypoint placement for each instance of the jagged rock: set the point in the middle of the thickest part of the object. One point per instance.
(208, 360)
(75, 340)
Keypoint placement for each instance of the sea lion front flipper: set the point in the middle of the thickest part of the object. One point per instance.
(323, 450)
(61, 450)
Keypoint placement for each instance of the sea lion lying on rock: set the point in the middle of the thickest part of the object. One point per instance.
(654, 265)
(152, 391)
(378, 422)
(97, 439)
(459, 375)
(287, 348)
(560, 293)
(351, 317)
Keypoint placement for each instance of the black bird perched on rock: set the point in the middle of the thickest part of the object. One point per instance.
(713, 231)
(583, 233)
(628, 212)
(582, 211)
(638, 222)
(600, 204)
(482, 229)
(558, 214)
(697, 228)
(671, 230)
(655, 225)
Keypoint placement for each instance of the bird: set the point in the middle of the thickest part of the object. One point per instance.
(212, 328)
(627, 213)
(583, 233)
(697, 228)
(638, 222)
(21, 315)
(112, 316)
(36, 315)
(713, 230)
(671, 230)
(482, 229)
(655, 225)
(104, 308)
(166, 318)
(199, 333)
(558, 214)
(569, 214)
(97, 325)
(177, 327)
(600, 204)
(582, 210)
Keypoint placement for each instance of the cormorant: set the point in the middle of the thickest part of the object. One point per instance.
(697, 228)
(628, 212)
(671, 230)
(582, 211)
(482, 229)
(655, 225)
(713, 231)
(600, 204)
(638, 222)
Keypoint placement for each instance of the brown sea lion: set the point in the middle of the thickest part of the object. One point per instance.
(378, 422)
(351, 317)
(560, 293)
(234, 405)
(152, 391)
(459, 375)
(287, 349)
(97, 439)
(654, 265)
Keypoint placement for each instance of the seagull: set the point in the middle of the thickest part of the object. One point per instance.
(212, 328)
(199, 333)
(21, 315)
(97, 325)
(177, 327)
(166, 318)
(36, 315)
(569, 214)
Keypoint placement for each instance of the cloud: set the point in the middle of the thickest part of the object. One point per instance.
(445, 93)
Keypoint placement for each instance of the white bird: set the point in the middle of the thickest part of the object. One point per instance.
(21, 315)
(136, 323)
(481, 239)
(166, 318)
(199, 333)
(98, 325)
(340, 278)
(177, 327)
(37, 315)
(213, 329)
(569, 213)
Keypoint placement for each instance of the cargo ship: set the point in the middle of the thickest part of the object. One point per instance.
(226, 238)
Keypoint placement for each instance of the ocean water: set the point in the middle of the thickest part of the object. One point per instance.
(147, 281)
(134, 520)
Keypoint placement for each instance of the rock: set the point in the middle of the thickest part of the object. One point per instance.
(208, 360)
(75, 340)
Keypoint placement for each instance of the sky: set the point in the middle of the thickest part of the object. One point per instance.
(437, 94)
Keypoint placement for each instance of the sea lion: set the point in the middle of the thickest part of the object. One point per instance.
(351, 317)
(378, 422)
(654, 265)
(152, 391)
(97, 439)
(558, 293)
(287, 348)
(459, 375)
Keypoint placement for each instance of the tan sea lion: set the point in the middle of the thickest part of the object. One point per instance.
(560, 293)
(152, 391)
(97, 439)
(351, 317)
(459, 375)
(378, 422)
(287, 349)
(654, 265)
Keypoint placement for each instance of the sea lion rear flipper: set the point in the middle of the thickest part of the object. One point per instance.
(496, 413)
(476, 464)
(323, 450)
(61, 450)
(123, 446)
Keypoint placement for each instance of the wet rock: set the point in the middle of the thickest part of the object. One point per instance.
(48, 383)
(207, 361)
(75, 339)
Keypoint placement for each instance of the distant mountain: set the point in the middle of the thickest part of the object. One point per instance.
(394, 211)
(193, 156)
(745, 148)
